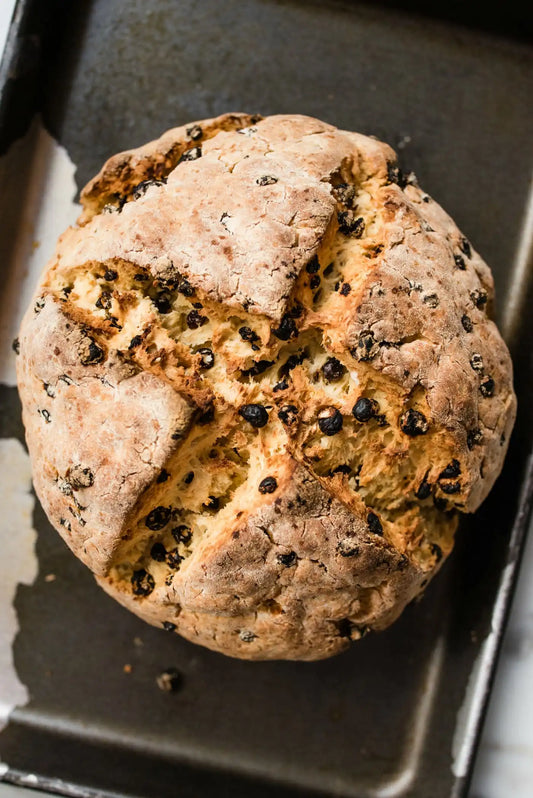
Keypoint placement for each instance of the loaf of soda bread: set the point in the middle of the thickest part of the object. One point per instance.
(260, 384)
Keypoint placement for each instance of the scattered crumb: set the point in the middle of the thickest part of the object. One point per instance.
(169, 680)
(50, 578)
(403, 142)
(127, 669)
(137, 642)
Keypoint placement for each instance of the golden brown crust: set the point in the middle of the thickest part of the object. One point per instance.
(299, 579)
(259, 387)
(153, 161)
(101, 433)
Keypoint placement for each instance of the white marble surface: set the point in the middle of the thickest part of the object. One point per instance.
(504, 767)
(6, 10)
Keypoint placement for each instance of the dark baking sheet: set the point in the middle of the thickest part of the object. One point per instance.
(382, 719)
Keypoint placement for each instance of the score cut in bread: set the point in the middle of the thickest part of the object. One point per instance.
(260, 384)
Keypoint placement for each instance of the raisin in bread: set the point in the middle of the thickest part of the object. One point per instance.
(260, 383)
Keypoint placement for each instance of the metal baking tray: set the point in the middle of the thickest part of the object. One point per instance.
(400, 713)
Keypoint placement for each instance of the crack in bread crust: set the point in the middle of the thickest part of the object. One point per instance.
(256, 411)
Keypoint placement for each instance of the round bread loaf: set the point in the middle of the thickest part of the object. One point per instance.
(260, 382)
